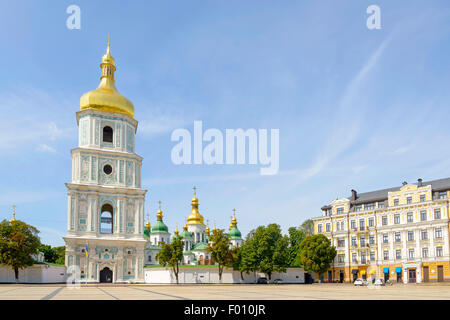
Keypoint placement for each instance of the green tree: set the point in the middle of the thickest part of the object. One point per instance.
(272, 249)
(171, 254)
(308, 227)
(49, 253)
(60, 253)
(18, 242)
(220, 248)
(296, 236)
(316, 253)
(248, 256)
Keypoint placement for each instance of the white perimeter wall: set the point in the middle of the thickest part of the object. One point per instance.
(34, 274)
(211, 275)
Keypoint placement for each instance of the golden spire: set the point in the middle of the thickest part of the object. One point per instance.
(148, 225)
(14, 213)
(159, 215)
(214, 229)
(106, 97)
(207, 227)
(176, 230)
(233, 220)
(195, 217)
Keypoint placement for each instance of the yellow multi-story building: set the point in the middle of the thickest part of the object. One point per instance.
(399, 234)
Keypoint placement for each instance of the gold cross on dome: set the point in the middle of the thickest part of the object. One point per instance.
(148, 217)
(109, 38)
(14, 211)
(195, 191)
(159, 202)
(234, 212)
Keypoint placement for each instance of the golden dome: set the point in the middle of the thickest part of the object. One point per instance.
(148, 226)
(233, 220)
(176, 231)
(185, 228)
(159, 214)
(195, 217)
(106, 97)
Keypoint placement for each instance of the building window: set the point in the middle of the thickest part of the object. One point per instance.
(149, 258)
(338, 226)
(411, 253)
(397, 237)
(328, 228)
(362, 240)
(437, 213)
(354, 259)
(443, 195)
(410, 236)
(358, 207)
(371, 222)
(354, 242)
(381, 204)
(353, 224)
(361, 224)
(106, 219)
(363, 258)
(319, 228)
(424, 252)
(397, 219)
(341, 258)
(408, 200)
(107, 134)
(372, 239)
(340, 210)
(342, 225)
(422, 198)
(385, 238)
(384, 220)
(341, 243)
(369, 206)
(424, 234)
(395, 202)
(438, 233)
(372, 256)
(438, 251)
(398, 254)
(410, 217)
(386, 255)
(423, 215)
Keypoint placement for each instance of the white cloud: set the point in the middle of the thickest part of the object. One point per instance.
(45, 148)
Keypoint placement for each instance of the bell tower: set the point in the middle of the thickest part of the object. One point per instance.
(105, 216)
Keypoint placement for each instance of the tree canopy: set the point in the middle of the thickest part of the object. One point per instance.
(307, 227)
(18, 242)
(171, 254)
(220, 248)
(316, 253)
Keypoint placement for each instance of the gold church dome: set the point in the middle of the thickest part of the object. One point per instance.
(106, 97)
(195, 217)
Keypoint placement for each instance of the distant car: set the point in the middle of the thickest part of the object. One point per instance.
(277, 281)
(379, 282)
(360, 282)
(262, 280)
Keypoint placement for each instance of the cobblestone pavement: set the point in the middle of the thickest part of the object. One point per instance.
(224, 292)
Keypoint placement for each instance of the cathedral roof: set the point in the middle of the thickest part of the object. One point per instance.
(106, 97)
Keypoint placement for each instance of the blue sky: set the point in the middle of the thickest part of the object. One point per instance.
(356, 108)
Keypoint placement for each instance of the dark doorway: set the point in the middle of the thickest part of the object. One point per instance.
(308, 278)
(386, 277)
(106, 275)
(355, 274)
(341, 276)
(440, 273)
(330, 276)
(412, 275)
(426, 274)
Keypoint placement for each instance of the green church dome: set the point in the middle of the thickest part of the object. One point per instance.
(235, 233)
(160, 227)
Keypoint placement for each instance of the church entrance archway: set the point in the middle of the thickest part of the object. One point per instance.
(106, 275)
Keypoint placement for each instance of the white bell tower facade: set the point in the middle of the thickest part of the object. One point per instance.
(105, 217)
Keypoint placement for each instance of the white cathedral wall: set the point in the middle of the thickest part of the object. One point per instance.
(211, 275)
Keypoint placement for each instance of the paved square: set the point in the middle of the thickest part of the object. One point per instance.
(224, 292)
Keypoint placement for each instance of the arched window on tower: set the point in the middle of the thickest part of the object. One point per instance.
(107, 134)
(106, 219)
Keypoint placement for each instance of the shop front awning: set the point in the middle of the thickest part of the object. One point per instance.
(355, 271)
(385, 270)
(363, 272)
(372, 271)
(398, 270)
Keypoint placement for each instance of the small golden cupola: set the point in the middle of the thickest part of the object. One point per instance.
(233, 220)
(195, 217)
(176, 232)
(14, 213)
(106, 97)
(207, 228)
